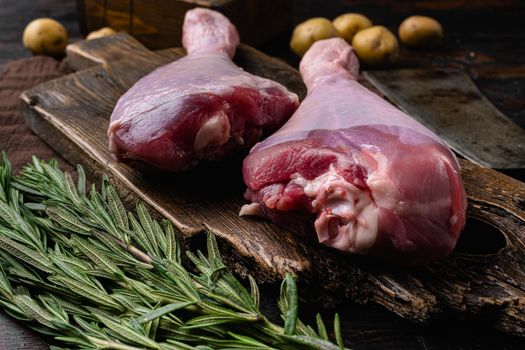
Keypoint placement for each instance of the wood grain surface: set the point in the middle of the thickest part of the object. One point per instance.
(482, 280)
(484, 38)
(256, 20)
(14, 336)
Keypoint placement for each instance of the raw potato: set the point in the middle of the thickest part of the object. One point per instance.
(45, 36)
(310, 31)
(420, 31)
(376, 46)
(100, 33)
(349, 24)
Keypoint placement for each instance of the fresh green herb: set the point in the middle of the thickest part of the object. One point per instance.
(76, 265)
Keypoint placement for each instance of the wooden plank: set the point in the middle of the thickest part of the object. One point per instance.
(158, 23)
(14, 336)
(102, 13)
(483, 279)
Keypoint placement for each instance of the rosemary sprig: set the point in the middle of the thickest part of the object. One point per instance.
(76, 265)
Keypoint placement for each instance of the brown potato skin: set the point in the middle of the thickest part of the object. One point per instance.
(100, 33)
(45, 36)
(420, 31)
(349, 24)
(376, 46)
(310, 31)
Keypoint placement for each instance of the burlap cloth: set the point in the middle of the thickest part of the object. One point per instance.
(16, 138)
(20, 143)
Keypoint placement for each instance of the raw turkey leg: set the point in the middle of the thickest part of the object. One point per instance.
(201, 106)
(363, 174)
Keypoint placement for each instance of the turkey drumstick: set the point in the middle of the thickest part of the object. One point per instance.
(199, 107)
(356, 171)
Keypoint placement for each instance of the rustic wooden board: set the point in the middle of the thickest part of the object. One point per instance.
(483, 279)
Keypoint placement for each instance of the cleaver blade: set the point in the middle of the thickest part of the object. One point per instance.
(448, 102)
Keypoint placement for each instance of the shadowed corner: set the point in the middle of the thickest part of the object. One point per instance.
(480, 238)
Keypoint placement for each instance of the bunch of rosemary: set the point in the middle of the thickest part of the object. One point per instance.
(81, 268)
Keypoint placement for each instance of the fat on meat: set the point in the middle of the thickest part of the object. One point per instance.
(200, 107)
(356, 172)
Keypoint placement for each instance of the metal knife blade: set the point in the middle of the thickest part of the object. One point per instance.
(449, 103)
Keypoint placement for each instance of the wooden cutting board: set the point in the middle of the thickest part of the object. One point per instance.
(483, 279)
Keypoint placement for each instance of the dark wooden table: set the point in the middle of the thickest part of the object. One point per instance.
(483, 37)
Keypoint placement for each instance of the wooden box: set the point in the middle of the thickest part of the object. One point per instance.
(158, 23)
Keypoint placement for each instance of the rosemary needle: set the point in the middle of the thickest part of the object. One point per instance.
(78, 266)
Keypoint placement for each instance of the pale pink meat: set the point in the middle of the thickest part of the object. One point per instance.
(199, 107)
(356, 171)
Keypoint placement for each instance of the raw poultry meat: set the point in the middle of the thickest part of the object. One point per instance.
(363, 174)
(201, 106)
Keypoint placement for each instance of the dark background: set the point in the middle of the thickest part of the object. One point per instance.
(485, 38)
